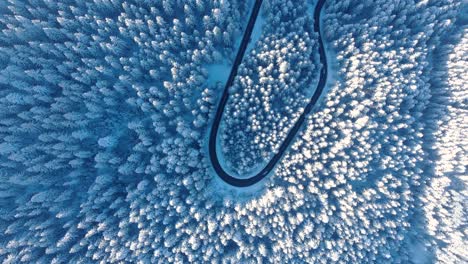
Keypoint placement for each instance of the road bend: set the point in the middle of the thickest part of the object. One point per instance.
(245, 182)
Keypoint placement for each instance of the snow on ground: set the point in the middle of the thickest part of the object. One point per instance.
(218, 72)
(257, 30)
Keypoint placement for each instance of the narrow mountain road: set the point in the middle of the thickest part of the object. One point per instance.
(245, 182)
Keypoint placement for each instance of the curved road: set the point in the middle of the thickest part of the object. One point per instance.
(244, 182)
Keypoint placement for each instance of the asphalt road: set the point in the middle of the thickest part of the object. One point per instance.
(244, 182)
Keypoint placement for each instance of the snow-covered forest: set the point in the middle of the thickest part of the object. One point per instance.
(105, 108)
(274, 83)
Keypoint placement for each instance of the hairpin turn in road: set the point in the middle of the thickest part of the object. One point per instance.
(244, 182)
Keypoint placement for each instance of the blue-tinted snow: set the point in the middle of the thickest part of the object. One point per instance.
(104, 109)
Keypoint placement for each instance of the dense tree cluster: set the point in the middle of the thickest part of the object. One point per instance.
(445, 195)
(274, 83)
(366, 158)
(99, 98)
(104, 109)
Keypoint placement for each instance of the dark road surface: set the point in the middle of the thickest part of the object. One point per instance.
(244, 182)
